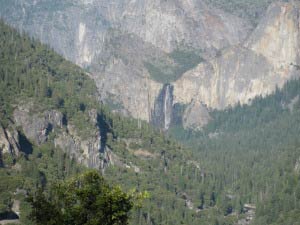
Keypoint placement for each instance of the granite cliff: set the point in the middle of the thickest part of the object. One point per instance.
(9, 141)
(39, 127)
(126, 45)
(266, 59)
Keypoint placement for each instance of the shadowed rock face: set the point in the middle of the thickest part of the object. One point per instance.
(122, 78)
(9, 142)
(37, 127)
(115, 39)
(87, 151)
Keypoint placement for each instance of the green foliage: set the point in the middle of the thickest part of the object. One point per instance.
(42, 168)
(86, 199)
(184, 60)
(187, 59)
(251, 152)
(30, 71)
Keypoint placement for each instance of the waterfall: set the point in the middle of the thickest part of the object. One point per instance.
(163, 108)
(168, 103)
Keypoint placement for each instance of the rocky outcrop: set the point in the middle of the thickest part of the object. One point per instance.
(195, 116)
(37, 126)
(85, 151)
(121, 76)
(132, 92)
(240, 73)
(277, 37)
(9, 141)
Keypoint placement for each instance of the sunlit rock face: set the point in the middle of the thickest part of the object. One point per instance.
(268, 58)
(237, 76)
(165, 24)
(195, 116)
(115, 39)
(9, 141)
(77, 28)
(38, 127)
(277, 37)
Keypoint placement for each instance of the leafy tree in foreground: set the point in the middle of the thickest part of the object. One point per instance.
(86, 199)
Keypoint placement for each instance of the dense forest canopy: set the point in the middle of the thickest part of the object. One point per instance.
(254, 149)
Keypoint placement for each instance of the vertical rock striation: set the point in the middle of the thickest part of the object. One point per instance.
(81, 30)
(277, 37)
(266, 60)
(38, 126)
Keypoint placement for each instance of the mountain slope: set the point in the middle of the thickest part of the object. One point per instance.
(53, 127)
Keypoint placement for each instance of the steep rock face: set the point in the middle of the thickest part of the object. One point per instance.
(37, 127)
(278, 36)
(77, 28)
(237, 76)
(72, 28)
(165, 24)
(122, 78)
(81, 30)
(114, 39)
(9, 141)
(85, 151)
(267, 59)
(195, 116)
